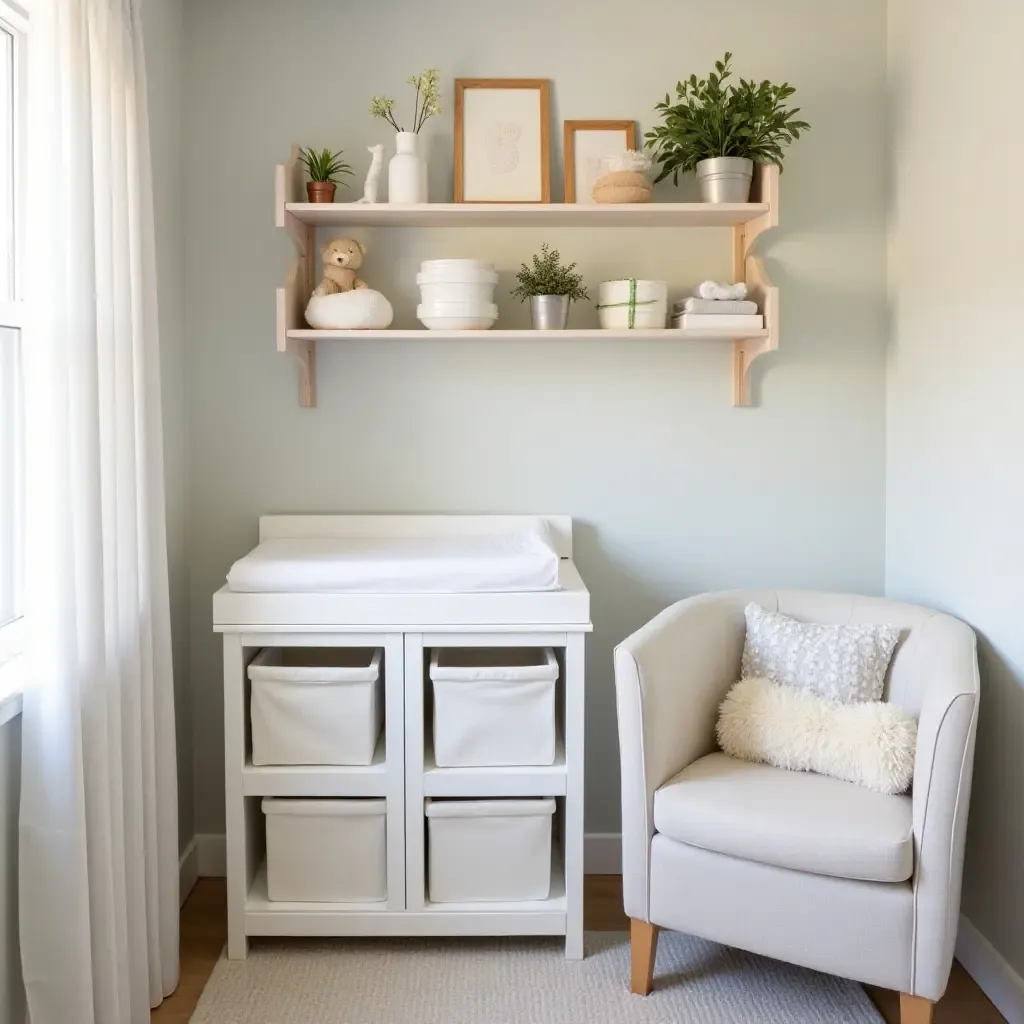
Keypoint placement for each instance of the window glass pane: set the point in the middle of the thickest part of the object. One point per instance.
(10, 473)
(6, 165)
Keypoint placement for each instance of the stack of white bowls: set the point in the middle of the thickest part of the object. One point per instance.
(457, 295)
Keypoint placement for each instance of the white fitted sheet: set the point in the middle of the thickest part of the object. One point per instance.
(465, 564)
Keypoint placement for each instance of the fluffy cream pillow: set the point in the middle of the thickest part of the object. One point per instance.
(871, 743)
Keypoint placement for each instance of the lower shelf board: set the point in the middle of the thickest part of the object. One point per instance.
(264, 917)
(526, 334)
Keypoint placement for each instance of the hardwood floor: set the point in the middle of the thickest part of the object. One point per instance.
(204, 932)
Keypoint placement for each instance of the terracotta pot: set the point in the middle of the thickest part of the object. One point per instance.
(321, 191)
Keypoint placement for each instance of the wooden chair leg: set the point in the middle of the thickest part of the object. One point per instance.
(915, 1009)
(643, 944)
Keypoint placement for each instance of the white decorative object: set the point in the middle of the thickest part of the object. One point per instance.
(372, 183)
(407, 171)
(843, 663)
(719, 321)
(489, 850)
(468, 282)
(457, 316)
(364, 309)
(632, 304)
(501, 141)
(315, 705)
(716, 306)
(872, 744)
(326, 851)
(494, 707)
(717, 290)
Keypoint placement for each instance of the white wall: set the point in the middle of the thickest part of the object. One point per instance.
(163, 28)
(674, 491)
(955, 415)
(12, 989)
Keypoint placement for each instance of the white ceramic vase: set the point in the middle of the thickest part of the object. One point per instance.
(407, 171)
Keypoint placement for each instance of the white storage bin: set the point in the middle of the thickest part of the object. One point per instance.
(326, 851)
(315, 705)
(494, 707)
(647, 300)
(489, 850)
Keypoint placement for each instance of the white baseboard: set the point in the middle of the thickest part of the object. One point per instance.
(995, 977)
(602, 855)
(188, 869)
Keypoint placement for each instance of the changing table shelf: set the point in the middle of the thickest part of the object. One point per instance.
(318, 780)
(407, 627)
(517, 780)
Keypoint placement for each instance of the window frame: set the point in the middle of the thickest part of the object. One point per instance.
(14, 18)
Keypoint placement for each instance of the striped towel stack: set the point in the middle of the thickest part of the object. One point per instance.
(734, 314)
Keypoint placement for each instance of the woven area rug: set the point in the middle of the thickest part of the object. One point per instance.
(517, 981)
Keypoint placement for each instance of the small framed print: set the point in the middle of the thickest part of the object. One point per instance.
(502, 140)
(586, 144)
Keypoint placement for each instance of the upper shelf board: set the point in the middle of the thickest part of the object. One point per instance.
(491, 215)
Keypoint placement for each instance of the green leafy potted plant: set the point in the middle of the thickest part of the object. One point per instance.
(550, 286)
(721, 130)
(324, 168)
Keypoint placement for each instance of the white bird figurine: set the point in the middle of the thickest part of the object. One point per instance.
(373, 175)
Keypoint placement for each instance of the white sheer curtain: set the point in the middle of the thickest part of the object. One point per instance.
(99, 848)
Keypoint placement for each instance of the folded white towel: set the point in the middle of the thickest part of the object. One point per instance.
(695, 305)
(717, 290)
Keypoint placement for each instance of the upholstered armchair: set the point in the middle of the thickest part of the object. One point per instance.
(793, 865)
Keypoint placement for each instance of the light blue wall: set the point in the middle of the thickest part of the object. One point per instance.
(673, 490)
(955, 536)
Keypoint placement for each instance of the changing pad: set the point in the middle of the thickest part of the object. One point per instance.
(463, 564)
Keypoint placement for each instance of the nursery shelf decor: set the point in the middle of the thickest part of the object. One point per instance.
(551, 286)
(324, 169)
(721, 131)
(745, 221)
(407, 171)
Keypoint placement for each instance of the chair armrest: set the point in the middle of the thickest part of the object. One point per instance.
(942, 789)
(670, 677)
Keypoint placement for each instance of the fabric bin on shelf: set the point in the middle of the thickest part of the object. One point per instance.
(489, 850)
(326, 851)
(632, 304)
(494, 707)
(315, 705)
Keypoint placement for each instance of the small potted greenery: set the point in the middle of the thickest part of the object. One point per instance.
(324, 169)
(721, 130)
(550, 286)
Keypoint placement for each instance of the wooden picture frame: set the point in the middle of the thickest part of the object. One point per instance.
(500, 155)
(574, 177)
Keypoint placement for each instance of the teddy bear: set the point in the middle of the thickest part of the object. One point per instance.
(342, 257)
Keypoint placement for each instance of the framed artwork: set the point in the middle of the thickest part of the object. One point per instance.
(501, 140)
(586, 143)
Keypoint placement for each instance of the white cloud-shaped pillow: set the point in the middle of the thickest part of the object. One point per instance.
(870, 743)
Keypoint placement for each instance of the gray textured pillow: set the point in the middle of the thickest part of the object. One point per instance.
(843, 663)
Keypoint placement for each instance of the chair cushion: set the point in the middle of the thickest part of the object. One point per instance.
(795, 820)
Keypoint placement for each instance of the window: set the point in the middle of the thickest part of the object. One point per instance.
(12, 94)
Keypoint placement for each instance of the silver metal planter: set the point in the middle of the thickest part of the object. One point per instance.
(549, 312)
(725, 179)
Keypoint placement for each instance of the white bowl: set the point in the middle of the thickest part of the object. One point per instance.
(469, 293)
(458, 318)
(456, 270)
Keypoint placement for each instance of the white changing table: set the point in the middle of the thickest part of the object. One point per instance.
(405, 626)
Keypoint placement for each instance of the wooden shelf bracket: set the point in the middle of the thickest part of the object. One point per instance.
(750, 268)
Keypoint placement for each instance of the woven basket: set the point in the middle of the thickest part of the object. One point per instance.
(622, 187)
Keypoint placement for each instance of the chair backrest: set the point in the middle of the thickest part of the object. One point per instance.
(931, 643)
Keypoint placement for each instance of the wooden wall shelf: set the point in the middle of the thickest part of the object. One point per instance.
(747, 221)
